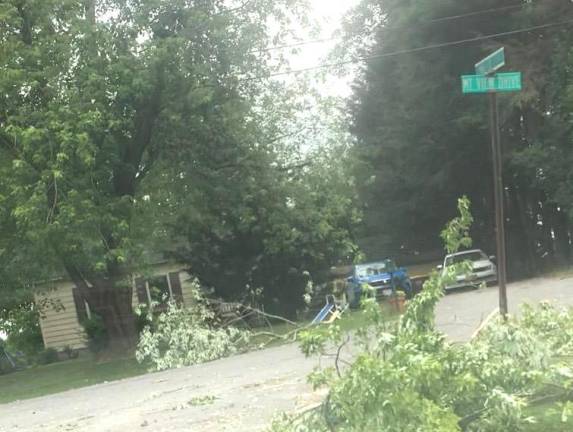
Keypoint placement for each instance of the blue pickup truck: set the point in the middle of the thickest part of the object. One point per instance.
(384, 277)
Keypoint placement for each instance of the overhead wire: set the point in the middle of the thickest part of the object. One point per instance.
(418, 49)
(430, 21)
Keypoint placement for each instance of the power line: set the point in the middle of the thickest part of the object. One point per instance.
(481, 12)
(419, 49)
(297, 44)
(431, 21)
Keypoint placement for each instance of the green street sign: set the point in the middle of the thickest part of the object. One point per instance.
(491, 63)
(502, 82)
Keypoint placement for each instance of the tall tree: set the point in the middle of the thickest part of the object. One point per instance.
(262, 229)
(422, 143)
(97, 96)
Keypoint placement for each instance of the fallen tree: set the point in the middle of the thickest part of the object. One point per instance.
(408, 377)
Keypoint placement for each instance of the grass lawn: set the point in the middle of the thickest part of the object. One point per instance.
(549, 419)
(57, 377)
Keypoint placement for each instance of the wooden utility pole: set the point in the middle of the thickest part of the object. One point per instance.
(487, 80)
(499, 207)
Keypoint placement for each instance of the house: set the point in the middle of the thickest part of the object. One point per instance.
(60, 324)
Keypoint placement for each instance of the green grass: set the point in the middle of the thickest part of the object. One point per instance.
(58, 377)
(351, 320)
(548, 418)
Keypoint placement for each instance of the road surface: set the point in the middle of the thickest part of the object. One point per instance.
(461, 312)
(249, 389)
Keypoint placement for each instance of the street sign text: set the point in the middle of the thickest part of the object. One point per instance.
(502, 82)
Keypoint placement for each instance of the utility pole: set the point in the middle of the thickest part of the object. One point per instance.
(488, 81)
(497, 153)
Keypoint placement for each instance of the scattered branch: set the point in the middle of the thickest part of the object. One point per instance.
(256, 311)
(338, 359)
(236, 9)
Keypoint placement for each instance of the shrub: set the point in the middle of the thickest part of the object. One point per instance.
(22, 326)
(47, 356)
(70, 352)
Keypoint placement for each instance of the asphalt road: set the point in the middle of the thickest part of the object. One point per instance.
(461, 312)
(249, 389)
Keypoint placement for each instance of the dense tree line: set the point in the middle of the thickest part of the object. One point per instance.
(421, 143)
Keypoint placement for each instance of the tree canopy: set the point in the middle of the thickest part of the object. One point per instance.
(128, 124)
(421, 143)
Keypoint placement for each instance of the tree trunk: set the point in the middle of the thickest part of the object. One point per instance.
(113, 303)
(111, 299)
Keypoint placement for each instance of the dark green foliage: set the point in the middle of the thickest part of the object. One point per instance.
(96, 332)
(21, 324)
(421, 143)
(258, 231)
(47, 356)
(269, 237)
(70, 352)
(143, 130)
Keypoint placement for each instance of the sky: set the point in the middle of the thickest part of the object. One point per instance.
(328, 15)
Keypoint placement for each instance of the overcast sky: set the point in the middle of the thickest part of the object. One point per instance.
(328, 14)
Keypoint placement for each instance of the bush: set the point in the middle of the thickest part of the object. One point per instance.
(96, 332)
(185, 336)
(71, 353)
(22, 326)
(47, 356)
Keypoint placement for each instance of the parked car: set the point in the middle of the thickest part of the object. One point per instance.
(483, 268)
(384, 277)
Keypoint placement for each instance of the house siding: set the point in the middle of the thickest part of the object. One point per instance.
(60, 326)
(186, 288)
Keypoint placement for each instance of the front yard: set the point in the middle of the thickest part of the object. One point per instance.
(66, 375)
(83, 372)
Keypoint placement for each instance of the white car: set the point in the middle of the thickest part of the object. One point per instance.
(483, 268)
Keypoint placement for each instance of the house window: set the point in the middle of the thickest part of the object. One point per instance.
(159, 289)
(82, 308)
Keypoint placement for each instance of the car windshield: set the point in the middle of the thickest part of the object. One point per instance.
(374, 269)
(470, 256)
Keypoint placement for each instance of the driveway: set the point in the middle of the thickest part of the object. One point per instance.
(248, 390)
